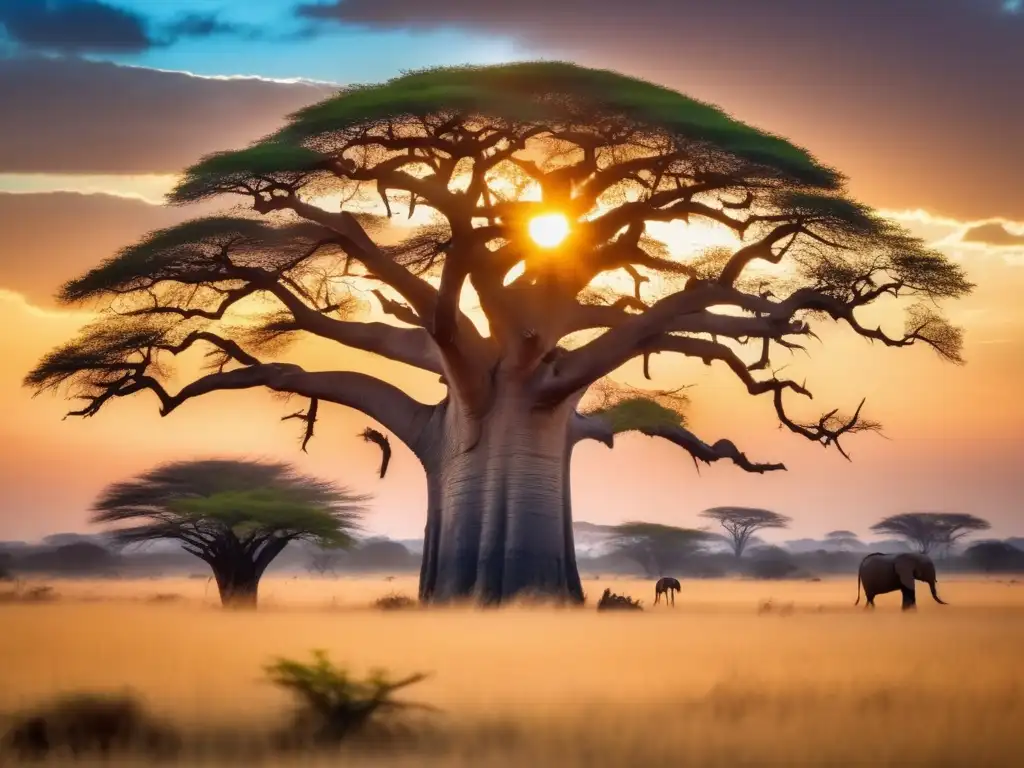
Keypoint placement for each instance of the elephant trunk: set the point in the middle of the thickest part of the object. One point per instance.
(935, 595)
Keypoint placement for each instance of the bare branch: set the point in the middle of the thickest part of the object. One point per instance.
(379, 439)
(379, 400)
(309, 418)
(722, 449)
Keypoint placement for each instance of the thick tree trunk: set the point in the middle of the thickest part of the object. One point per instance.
(238, 584)
(499, 518)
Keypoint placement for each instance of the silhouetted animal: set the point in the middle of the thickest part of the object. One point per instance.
(668, 586)
(880, 573)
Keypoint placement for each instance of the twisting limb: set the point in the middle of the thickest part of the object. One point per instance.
(590, 428)
(829, 428)
(379, 400)
(699, 450)
(309, 417)
(379, 439)
(397, 309)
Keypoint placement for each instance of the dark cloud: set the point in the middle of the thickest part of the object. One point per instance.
(93, 26)
(75, 116)
(917, 102)
(992, 234)
(49, 238)
(75, 26)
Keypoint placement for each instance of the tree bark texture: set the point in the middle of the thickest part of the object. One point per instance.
(499, 520)
(238, 584)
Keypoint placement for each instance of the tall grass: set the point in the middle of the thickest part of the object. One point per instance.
(711, 682)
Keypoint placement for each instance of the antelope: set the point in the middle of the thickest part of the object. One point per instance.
(668, 586)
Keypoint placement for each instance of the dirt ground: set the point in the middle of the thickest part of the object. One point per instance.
(738, 673)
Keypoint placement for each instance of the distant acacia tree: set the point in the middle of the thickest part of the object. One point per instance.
(931, 532)
(657, 548)
(995, 557)
(321, 561)
(844, 539)
(237, 516)
(538, 188)
(741, 523)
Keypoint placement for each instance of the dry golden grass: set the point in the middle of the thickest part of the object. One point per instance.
(716, 681)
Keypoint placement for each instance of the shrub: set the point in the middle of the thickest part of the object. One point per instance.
(332, 703)
(394, 601)
(613, 602)
(39, 594)
(84, 723)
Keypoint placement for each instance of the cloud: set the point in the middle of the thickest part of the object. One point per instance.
(992, 233)
(49, 238)
(897, 100)
(93, 26)
(76, 26)
(77, 116)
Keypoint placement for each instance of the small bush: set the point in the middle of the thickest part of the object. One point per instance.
(394, 601)
(333, 704)
(613, 602)
(40, 594)
(88, 723)
(165, 597)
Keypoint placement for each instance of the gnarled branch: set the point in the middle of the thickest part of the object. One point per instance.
(701, 451)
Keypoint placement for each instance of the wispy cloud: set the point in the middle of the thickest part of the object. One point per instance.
(149, 188)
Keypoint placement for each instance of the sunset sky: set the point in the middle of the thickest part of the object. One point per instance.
(920, 103)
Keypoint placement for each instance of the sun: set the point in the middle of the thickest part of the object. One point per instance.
(549, 230)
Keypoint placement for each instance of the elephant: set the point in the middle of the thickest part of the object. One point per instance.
(880, 573)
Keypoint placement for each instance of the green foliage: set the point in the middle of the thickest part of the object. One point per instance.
(99, 356)
(250, 503)
(634, 413)
(626, 408)
(333, 703)
(247, 511)
(558, 95)
(229, 171)
(192, 253)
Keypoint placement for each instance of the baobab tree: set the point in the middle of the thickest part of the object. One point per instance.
(931, 531)
(741, 523)
(532, 263)
(236, 516)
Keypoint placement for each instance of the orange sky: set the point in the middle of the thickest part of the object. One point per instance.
(955, 435)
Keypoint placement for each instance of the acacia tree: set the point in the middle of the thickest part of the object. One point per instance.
(844, 539)
(540, 185)
(741, 523)
(657, 548)
(931, 531)
(237, 516)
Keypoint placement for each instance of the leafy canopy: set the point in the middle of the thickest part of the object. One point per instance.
(212, 504)
(472, 154)
(550, 93)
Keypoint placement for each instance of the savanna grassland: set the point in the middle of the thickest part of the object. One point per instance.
(723, 679)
